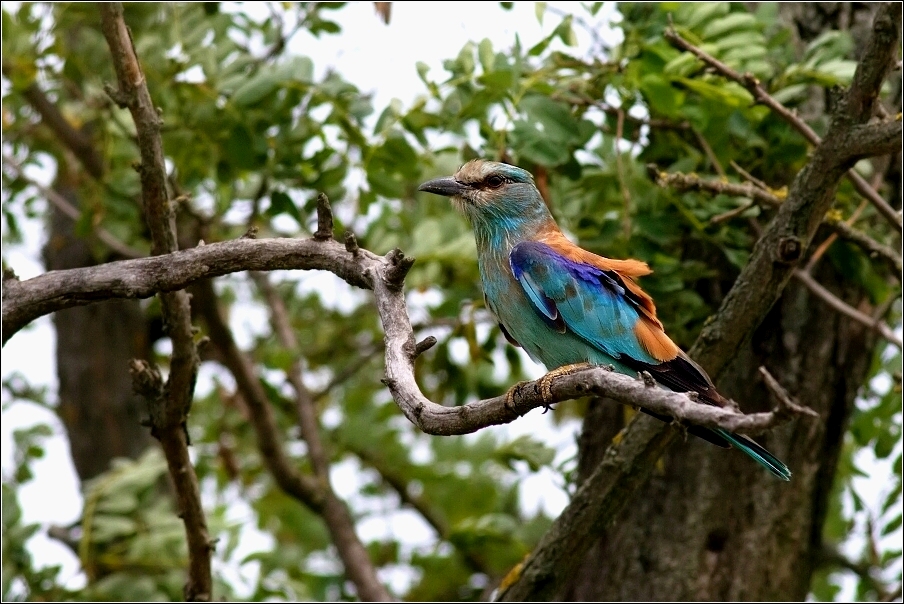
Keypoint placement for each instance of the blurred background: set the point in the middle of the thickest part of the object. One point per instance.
(265, 105)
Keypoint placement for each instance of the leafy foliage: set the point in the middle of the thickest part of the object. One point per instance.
(252, 134)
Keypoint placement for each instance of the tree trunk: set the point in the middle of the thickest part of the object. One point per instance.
(94, 344)
(712, 525)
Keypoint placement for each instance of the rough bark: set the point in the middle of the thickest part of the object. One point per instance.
(713, 526)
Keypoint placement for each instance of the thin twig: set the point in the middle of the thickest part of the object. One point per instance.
(759, 183)
(397, 482)
(846, 309)
(364, 357)
(786, 405)
(827, 243)
(709, 153)
(314, 492)
(732, 213)
(63, 205)
(692, 182)
(685, 182)
(870, 245)
(869, 573)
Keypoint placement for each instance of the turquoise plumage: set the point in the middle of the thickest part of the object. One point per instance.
(565, 305)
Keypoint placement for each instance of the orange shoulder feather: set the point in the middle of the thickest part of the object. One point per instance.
(648, 329)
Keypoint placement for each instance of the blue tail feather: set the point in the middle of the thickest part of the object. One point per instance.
(758, 454)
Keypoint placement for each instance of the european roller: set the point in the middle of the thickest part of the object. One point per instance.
(566, 306)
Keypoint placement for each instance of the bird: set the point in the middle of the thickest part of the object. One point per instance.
(565, 306)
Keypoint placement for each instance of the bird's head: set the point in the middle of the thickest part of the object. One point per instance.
(492, 195)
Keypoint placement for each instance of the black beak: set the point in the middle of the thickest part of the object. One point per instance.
(447, 186)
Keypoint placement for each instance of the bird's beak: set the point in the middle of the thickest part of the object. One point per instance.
(447, 186)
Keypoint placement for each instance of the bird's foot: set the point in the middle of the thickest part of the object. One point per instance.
(546, 381)
(545, 385)
(510, 395)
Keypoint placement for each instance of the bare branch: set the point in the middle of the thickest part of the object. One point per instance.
(313, 492)
(709, 153)
(759, 183)
(823, 247)
(786, 405)
(25, 301)
(299, 486)
(871, 574)
(863, 187)
(324, 218)
(838, 304)
(870, 245)
(685, 182)
(168, 415)
(858, 105)
(732, 213)
(692, 182)
(358, 565)
(141, 278)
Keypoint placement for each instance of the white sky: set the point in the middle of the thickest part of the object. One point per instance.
(377, 58)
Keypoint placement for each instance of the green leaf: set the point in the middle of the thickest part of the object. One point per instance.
(729, 23)
(485, 52)
(791, 93)
(699, 13)
(661, 95)
(281, 203)
(539, 11)
(260, 86)
(731, 94)
(892, 525)
(240, 150)
(682, 65)
(526, 448)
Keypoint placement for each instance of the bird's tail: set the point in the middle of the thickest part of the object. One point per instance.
(758, 454)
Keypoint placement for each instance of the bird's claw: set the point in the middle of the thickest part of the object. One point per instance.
(545, 386)
(510, 395)
(547, 380)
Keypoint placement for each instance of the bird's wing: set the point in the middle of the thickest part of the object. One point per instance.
(598, 299)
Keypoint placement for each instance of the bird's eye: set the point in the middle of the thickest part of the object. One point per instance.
(494, 181)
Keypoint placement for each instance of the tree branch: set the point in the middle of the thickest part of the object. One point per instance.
(397, 482)
(692, 182)
(831, 556)
(858, 106)
(26, 300)
(870, 245)
(870, 140)
(846, 309)
(295, 484)
(355, 558)
(168, 413)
